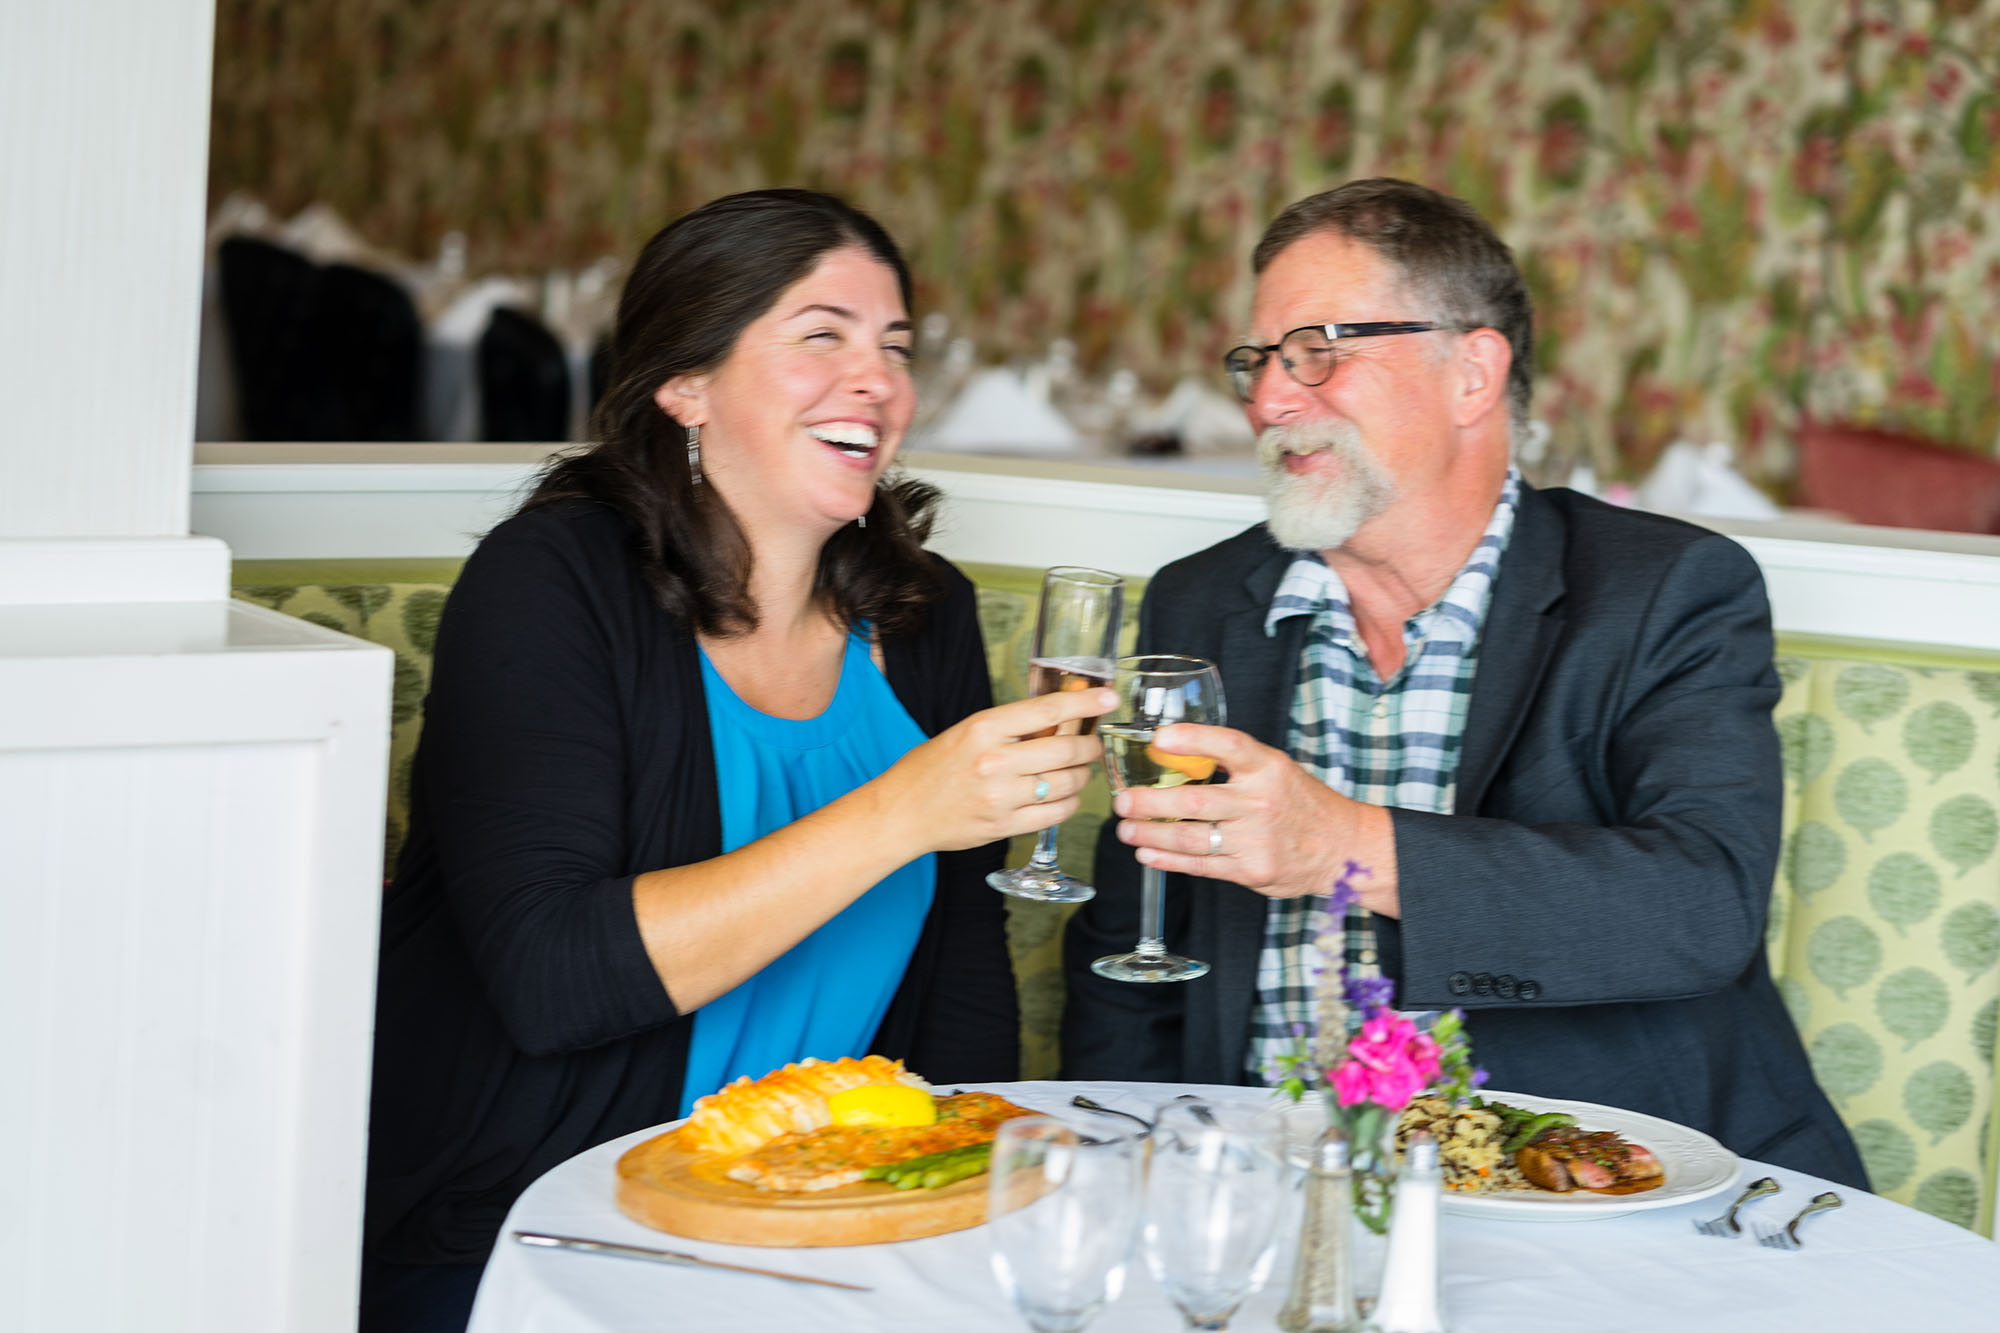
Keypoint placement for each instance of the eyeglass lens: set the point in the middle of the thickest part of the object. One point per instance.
(1307, 357)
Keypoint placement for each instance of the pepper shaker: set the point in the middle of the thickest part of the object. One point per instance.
(1322, 1295)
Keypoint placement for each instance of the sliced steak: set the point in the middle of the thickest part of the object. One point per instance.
(1569, 1159)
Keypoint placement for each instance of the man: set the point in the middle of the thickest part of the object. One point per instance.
(1541, 723)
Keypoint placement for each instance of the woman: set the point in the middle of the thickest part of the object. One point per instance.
(709, 778)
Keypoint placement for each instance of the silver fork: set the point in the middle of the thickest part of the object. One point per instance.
(1787, 1236)
(1725, 1225)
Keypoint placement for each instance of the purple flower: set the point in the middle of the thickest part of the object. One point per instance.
(1368, 993)
(1343, 894)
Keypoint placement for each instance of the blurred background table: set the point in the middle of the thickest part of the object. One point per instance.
(1871, 1265)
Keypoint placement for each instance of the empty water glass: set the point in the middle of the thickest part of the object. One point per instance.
(1214, 1192)
(1063, 1210)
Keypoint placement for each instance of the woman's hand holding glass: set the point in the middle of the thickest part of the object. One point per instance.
(996, 774)
(1214, 1193)
(1062, 1213)
(1076, 634)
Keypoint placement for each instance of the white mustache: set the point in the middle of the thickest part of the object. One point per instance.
(1310, 437)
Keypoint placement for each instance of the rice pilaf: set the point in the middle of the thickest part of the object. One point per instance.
(1470, 1146)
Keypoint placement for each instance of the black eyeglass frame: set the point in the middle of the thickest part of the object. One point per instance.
(1244, 379)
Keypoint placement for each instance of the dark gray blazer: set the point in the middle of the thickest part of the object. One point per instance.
(1595, 902)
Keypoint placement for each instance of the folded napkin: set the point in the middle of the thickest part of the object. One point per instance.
(998, 413)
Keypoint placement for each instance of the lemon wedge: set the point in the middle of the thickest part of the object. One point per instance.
(1191, 767)
(883, 1105)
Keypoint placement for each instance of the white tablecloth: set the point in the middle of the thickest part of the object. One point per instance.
(1869, 1266)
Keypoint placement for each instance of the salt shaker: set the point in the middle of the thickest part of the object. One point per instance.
(1409, 1301)
(1322, 1295)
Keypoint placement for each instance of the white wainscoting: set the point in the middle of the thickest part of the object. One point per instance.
(291, 501)
(191, 802)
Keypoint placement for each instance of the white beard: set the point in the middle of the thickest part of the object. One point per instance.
(1314, 513)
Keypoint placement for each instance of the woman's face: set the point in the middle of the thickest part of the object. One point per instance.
(808, 409)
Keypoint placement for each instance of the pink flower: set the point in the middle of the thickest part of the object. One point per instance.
(1388, 1062)
(1351, 1083)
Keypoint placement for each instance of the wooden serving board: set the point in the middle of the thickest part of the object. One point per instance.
(671, 1189)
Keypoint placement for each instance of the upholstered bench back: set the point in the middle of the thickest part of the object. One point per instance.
(1885, 919)
(1885, 923)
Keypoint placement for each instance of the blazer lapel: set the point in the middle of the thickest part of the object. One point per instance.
(1258, 672)
(1259, 668)
(1522, 625)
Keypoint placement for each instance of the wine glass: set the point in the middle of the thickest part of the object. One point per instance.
(1062, 1211)
(1076, 633)
(1152, 693)
(1214, 1192)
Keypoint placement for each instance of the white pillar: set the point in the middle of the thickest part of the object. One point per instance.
(104, 108)
(191, 788)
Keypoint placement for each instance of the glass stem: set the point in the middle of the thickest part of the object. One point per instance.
(1045, 849)
(1152, 892)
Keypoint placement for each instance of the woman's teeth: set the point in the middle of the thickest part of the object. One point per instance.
(854, 441)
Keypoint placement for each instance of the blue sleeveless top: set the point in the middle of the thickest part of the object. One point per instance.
(826, 995)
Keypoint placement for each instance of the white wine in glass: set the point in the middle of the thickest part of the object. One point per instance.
(1155, 692)
(1076, 634)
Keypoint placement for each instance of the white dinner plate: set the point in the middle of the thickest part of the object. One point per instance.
(1696, 1166)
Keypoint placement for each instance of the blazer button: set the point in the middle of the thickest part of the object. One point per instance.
(1459, 983)
(1482, 983)
(1528, 990)
(1504, 986)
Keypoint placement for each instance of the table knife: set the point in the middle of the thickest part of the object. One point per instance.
(668, 1257)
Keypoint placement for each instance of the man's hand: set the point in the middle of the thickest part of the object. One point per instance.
(1271, 827)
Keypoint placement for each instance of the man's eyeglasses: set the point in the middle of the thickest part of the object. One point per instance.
(1307, 353)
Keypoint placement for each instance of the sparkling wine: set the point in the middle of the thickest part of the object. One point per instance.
(1133, 760)
(1050, 675)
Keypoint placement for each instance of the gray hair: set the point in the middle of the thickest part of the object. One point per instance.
(1450, 260)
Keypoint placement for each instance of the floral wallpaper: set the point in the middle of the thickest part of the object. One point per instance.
(1734, 213)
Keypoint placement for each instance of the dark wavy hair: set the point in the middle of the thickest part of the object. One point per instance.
(693, 289)
(1452, 263)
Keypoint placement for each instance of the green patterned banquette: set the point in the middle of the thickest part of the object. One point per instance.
(1885, 918)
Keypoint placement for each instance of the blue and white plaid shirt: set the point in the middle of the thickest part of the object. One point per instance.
(1389, 743)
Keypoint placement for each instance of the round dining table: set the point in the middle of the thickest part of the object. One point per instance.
(1870, 1265)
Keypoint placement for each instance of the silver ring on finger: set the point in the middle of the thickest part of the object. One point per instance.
(1042, 790)
(1214, 838)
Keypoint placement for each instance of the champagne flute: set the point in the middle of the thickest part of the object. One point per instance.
(1214, 1192)
(1076, 633)
(1062, 1210)
(1154, 692)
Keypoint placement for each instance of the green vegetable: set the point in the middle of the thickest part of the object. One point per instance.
(908, 1174)
(1522, 1136)
(966, 1167)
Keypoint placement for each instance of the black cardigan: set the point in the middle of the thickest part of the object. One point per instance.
(565, 750)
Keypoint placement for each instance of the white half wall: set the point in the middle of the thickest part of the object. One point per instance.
(301, 502)
(191, 804)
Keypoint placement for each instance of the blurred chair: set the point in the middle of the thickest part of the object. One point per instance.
(322, 353)
(1902, 481)
(524, 383)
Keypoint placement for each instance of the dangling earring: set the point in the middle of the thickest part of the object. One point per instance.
(694, 453)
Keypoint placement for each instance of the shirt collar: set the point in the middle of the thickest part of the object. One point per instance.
(1310, 586)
